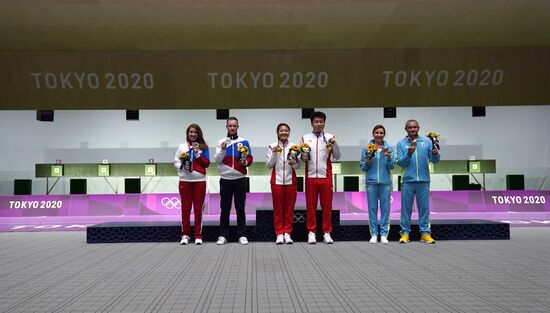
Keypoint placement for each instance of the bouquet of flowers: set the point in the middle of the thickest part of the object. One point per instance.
(293, 152)
(243, 150)
(305, 149)
(371, 149)
(434, 137)
(186, 162)
(184, 155)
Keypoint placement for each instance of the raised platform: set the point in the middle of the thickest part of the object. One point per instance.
(262, 230)
(112, 232)
(77, 212)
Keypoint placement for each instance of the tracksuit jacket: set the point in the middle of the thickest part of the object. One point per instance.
(416, 181)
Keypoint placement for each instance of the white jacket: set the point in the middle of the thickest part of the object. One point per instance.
(200, 162)
(229, 166)
(320, 164)
(283, 173)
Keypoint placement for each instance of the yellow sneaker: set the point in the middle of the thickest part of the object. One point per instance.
(404, 238)
(427, 238)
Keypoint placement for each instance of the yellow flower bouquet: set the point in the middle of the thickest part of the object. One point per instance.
(184, 156)
(371, 147)
(434, 137)
(186, 161)
(293, 152)
(243, 150)
(305, 149)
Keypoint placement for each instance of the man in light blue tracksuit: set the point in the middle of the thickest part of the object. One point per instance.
(414, 153)
(377, 160)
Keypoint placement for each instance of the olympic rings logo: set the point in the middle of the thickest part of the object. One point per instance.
(299, 218)
(171, 203)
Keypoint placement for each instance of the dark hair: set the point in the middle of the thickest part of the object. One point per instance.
(200, 138)
(411, 120)
(279, 126)
(378, 127)
(318, 114)
(231, 118)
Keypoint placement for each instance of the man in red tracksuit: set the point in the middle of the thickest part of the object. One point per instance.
(323, 148)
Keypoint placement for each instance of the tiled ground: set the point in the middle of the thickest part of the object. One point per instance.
(59, 272)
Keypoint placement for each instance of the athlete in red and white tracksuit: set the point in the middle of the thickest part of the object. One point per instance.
(192, 187)
(283, 185)
(319, 177)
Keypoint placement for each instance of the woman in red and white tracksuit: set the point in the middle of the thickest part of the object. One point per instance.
(283, 182)
(191, 161)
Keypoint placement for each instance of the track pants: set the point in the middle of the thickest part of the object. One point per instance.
(319, 188)
(422, 192)
(284, 199)
(192, 194)
(232, 189)
(382, 193)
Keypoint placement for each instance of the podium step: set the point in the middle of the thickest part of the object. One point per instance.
(262, 230)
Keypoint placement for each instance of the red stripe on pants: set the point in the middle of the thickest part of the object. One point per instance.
(192, 193)
(319, 188)
(284, 199)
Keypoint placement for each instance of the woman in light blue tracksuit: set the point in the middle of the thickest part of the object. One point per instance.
(377, 164)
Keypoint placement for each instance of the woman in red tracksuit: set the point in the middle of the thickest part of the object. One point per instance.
(191, 161)
(283, 183)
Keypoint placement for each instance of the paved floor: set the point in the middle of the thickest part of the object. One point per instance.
(59, 272)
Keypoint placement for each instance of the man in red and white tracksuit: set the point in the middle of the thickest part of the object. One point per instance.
(318, 171)
(283, 157)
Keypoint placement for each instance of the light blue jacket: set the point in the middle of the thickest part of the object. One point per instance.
(416, 165)
(378, 171)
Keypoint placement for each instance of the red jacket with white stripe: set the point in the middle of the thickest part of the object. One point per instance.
(320, 164)
(283, 173)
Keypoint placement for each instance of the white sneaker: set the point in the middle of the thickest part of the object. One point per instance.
(280, 240)
(243, 241)
(384, 240)
(327, 239)
(184, 240)
(221, 240)
(287, 239)
(373, 239)
(198, 241)
(311, 238)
